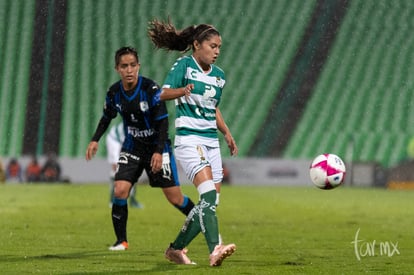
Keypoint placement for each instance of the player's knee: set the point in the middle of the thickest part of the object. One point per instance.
(121, 189)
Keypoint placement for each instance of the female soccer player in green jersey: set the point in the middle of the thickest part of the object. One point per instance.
(196, 85)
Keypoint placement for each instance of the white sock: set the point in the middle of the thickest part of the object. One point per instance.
(206, 186)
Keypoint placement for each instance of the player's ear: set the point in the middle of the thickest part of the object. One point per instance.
(196, 45)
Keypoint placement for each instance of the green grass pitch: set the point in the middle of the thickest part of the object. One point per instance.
(66, 229)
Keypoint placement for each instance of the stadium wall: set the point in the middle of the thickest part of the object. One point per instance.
(242, 171)
(246, 171)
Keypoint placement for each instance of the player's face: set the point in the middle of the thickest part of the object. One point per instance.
(207, 52)
(128, 69)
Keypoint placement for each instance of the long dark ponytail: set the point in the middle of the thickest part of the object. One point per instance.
(164, 35)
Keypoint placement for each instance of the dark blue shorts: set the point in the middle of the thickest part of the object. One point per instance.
(130, 168)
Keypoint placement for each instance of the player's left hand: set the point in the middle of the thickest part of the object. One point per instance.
(231, 143)
(187, 90)
(156, 162)
(91, 150)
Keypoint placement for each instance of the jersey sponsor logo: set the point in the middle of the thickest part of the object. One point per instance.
(135, 132)
(209, 114)
(201, 112)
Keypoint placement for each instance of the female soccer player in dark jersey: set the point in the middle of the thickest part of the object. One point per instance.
(146, 146)
(196, 85)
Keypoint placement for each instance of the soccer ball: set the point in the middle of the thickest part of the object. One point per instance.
(327, 171)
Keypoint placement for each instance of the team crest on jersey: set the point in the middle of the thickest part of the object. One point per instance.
(220, 82)
(144, 106)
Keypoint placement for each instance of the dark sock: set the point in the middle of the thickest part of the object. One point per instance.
(186, 207)
(120, 218)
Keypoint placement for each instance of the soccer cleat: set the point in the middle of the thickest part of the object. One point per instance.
(119, 246)
(221, 252)
(177, 256)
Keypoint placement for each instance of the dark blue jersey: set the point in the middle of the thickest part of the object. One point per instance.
(144, 115)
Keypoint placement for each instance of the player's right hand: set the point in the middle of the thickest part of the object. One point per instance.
(91, 150)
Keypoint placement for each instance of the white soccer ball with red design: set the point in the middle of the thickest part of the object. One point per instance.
(327, 171)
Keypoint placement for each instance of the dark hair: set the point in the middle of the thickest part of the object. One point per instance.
(125, 50)
(164, 35)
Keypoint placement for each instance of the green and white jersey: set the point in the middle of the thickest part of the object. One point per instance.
(195, 120)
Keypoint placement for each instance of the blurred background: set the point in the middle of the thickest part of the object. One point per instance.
(303, 77)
